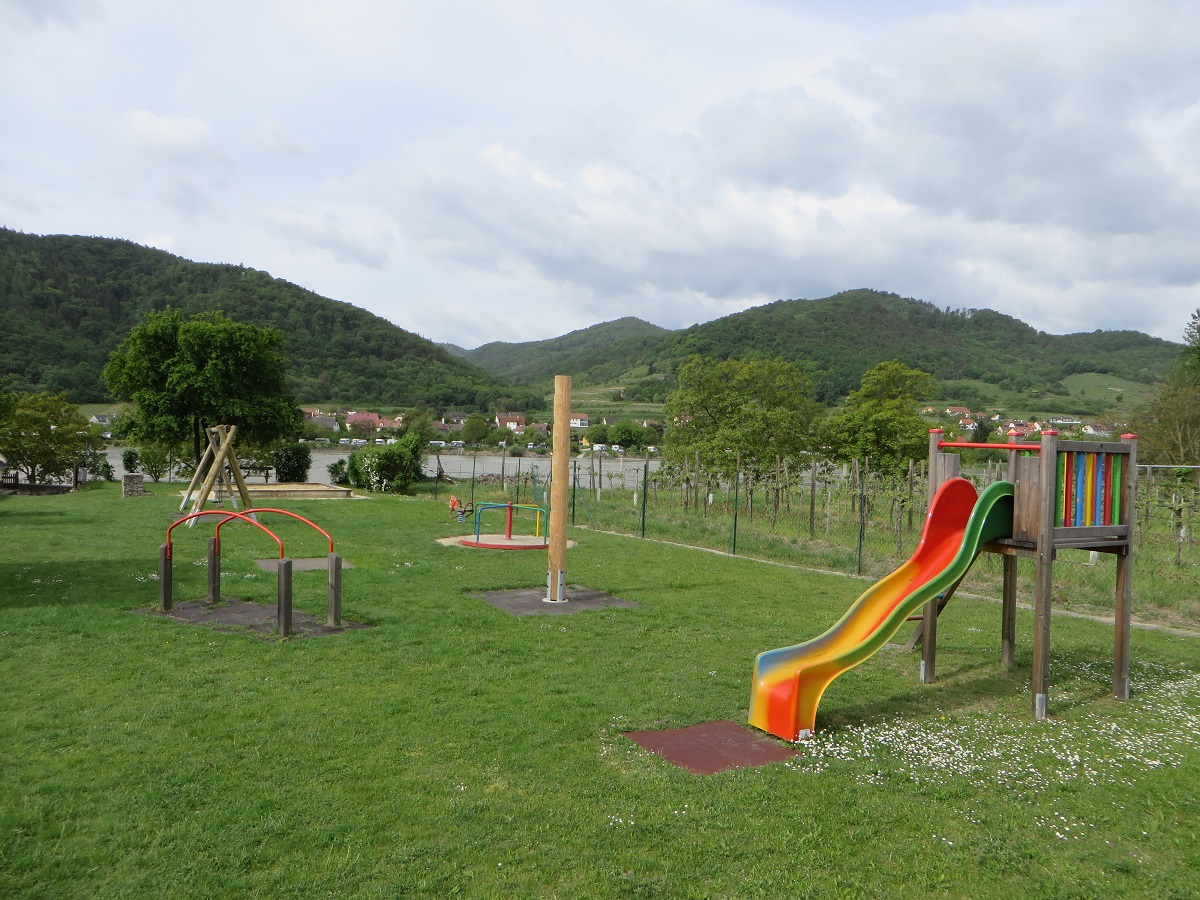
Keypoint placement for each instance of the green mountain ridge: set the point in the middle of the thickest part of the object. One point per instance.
(66, 302)
(836, 339)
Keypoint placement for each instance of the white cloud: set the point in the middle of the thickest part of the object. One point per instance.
(518, 169)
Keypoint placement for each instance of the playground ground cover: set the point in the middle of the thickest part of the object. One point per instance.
(456, 749)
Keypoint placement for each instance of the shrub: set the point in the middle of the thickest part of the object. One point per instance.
(130, 459)
(292, 462)
(98, 465)
(392, 468)
(338, 472)
(155, 460)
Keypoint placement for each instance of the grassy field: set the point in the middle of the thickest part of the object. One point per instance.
(454, 749)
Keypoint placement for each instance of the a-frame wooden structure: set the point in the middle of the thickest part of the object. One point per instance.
(219, 463)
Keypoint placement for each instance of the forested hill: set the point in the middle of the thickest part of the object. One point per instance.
(838, 338)
(67, 302)
(598, 354)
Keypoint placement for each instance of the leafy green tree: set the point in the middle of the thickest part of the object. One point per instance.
(8, 399)
(155, 461)
(185, 375)
(758, 408)
(45, 436)
(880, 421)
(475, 429)
(597, 433)
(627, 433)
(1169, 424)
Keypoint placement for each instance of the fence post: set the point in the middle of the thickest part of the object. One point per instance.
(737, 477)
(645, 490)
(862, 514)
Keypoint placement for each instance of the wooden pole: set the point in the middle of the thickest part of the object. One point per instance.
(214, 570)
(164, 579)
(560, 479)
(333, 606)
(283, 608)
(1008, 613)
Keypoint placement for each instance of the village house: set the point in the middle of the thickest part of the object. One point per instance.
(513, 421)
(580, 420)
(369, 420)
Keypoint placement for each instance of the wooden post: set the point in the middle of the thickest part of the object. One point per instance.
(935, 435)
(283, 606)
(214, 570)
(1123, 614)
(164, 578)
(1044, 590)
(1008, 613)
(333, 608)
(560, 477)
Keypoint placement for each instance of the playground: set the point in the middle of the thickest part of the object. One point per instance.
(456, 747)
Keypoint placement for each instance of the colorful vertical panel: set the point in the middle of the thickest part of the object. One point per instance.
(1089, 490)
(1068, 494)
(1079, 514)
(1060, 490)
(1118, 485)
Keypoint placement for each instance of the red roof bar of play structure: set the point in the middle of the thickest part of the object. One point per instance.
(282, 512)
(228, 515)
(1032, 448)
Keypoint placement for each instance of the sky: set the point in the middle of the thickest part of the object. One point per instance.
(515, 170)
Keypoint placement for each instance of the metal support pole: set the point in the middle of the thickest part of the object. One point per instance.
(1040, 679)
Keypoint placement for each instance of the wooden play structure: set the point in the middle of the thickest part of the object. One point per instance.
(1060, 495)
(218, 464)
(1067, 495)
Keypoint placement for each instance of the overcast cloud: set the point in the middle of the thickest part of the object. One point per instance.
(515, 169)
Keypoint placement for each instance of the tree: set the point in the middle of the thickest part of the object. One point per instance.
(155, 461)
(475, 429)
(880, 421)
(1169, 424)
(596, 433)
(45, 436)
(627, 433)
(186, 375)
(759, 409)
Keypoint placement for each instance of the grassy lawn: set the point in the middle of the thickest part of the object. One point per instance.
(454, 749)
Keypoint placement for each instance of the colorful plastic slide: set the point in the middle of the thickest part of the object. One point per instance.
(788, 683)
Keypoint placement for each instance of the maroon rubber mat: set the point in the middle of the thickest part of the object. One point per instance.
(712, 747)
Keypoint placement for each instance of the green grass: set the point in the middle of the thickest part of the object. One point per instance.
(454, 749)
